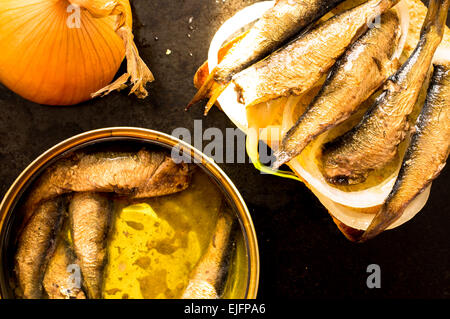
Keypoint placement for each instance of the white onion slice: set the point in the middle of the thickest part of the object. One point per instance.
(228, 99)
(235, 23)
(403, 14)
(335, 200)
(442, 55)
(288, 121)
(359, 220)
(311, 173)
(236, 112)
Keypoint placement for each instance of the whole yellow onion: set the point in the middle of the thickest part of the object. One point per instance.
(63, 52)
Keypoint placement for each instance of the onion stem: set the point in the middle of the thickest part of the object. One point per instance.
(253, 154)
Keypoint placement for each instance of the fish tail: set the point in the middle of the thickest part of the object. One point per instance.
(436, 17)
(216, 91)
(203, 92)
(210, 88)
(281, 157)
(292, 144)
(382, 220)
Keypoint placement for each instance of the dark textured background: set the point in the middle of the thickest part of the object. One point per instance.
(302, 252)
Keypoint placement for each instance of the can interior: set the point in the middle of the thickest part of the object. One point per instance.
(13, 220)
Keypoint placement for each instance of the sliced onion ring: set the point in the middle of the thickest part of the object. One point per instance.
(234, 110)
(338, 202)
(241, 19)
(403, 14)
(442, 55)
(360, 220)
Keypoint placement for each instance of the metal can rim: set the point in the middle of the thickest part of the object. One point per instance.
(159, 138)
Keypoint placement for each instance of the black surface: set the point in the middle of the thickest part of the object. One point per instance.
(303, 254)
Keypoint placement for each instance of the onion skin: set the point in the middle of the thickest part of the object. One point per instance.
(45, 60)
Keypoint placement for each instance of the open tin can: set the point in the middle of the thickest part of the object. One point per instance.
(246, 281)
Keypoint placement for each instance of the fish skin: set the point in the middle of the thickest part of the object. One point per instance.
(35, 244)
(138, 175)
(295, 68)
(374, 141)
(278, 24)
(90, 215)
(363, 68)
(57, 278)
(426, 155)
(209, 272)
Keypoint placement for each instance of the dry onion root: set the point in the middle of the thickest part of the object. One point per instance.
(63, 52)
(352, 210)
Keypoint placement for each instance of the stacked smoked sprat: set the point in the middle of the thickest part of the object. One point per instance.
(69, 213)
(349, 93)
